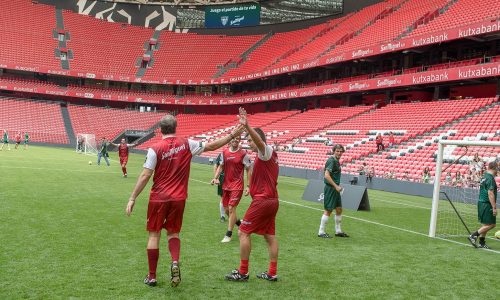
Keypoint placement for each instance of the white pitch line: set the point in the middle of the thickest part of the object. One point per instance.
(374, 223)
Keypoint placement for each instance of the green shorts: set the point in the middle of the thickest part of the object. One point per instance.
(485, 213)
(332, 198)
(5, 141)
(219, 187)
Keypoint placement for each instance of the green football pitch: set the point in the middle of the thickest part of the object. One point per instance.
(64, 234)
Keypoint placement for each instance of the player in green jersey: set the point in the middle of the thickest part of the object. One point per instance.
(486, 206)
(332, 194)
(5, 140)
(26, 140)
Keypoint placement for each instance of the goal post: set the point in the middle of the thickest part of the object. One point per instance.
(86, 143)
(454, 201)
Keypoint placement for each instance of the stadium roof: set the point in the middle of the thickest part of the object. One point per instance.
(272, 11)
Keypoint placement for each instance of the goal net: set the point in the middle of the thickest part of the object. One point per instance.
(86, 143)
(460, 165)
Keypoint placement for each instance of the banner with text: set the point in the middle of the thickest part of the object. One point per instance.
(224, 16)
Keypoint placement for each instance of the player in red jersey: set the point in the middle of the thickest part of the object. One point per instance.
(123, 154)
(260, 216)
(169, 162)
(18, 139)
(234, 161)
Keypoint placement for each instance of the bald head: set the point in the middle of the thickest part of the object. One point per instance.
(168, 124)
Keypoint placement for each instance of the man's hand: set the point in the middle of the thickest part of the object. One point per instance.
(215, 181)
(243, 117)
(494, 211)
(339, 188)
(130, 206)
(247, 191)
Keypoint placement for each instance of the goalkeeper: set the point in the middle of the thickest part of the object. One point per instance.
(486, 206)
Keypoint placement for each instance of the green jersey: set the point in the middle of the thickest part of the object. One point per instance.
(104, 148)
(487, 184)
(218, 161)
(333, 167)
(26, 137)
(5, 136)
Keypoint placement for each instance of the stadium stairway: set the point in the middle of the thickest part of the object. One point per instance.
(243, 57)
(62, 47)
(148, 54)
(67, 124)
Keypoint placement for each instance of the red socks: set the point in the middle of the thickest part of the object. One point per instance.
(174, 245)
(243, 266)
(153, 255)
(273, 268)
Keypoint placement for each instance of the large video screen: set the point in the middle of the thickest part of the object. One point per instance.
(224, 16)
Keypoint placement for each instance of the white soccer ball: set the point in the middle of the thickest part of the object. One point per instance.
(90, 163)
(497, 234)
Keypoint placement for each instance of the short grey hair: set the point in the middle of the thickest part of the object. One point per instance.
(168, 124)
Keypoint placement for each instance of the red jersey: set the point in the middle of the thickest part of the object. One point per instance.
(264, 181)
(391, 139)
(18, 138)
(234, 165)
(171, 160)
(123, 150)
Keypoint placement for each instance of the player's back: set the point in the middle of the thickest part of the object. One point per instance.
(171, 173)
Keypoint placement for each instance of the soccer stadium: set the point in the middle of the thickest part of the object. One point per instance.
(234, 149)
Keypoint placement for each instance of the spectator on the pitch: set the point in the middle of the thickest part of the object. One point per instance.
(426, 176)
(477, 163)
(103, 152)
(458, 180)
(406, 176)
(363, 169)
(448, 179)
(370, 174)
(80, 144)
(379, 140)
(391, 139)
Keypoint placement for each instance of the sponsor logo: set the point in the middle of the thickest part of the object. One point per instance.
(333, 90)
(88, 95)
(361, 53)
(29, 69)
(237, 21)
(224, 20)
(484, 71)
(430, 40)
(388, 82)
(358, 86)
(335, 59)
(58, 93)
(430, 78)
(470, 31)
(391, 46)
(173, 151)
(311, 64)
(25, 89)
(308, 93)
(90, 75)
(321, 197)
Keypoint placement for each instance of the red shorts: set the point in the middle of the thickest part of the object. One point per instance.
(123, 160)
(260, 217)
(231, 198)
(166, 215)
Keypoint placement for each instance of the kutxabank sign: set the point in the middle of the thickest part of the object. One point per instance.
(429, 77)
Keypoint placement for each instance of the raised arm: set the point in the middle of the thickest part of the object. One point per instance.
(253, 134)
(223, 141)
